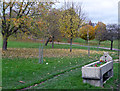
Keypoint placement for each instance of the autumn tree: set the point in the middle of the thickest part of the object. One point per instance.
(100, 32)
(70, 22)
(53, 28)
(85, 31)
(16, 15)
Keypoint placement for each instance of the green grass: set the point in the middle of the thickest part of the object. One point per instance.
(115, 80)
(81, 42)
(73, 80)
(95, 43)
(68, 80)
(0, 60)
(19, 44)
(29, 71)
(0, 72)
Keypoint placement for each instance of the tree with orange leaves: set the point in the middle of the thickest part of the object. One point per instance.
(100, 32)
(85, 31)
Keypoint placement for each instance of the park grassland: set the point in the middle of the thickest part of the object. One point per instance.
(78, 41)
(94, 42)
(60, 69)
(0, 61)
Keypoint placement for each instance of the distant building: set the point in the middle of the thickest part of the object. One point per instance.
(92, 24)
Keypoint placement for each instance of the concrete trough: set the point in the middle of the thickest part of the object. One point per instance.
(97, 75)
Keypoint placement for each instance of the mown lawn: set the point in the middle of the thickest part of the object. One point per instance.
(60, 69)
(30, 72)
(19, 44)
(95, 43)
(0, 60)
(75, 40)
(73, 80)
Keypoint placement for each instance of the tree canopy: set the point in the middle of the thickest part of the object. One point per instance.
(87, 30)
(100, 31)
(17, 15)
(69, 24)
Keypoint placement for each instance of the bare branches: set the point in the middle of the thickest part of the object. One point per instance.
(20, 10)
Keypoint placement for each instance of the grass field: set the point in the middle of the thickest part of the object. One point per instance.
(23, 44)
(94, 42)
(76, 41)
(73, 80)
(60, 69)
(0, 61)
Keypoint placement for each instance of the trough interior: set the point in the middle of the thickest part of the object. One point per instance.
(107, 75)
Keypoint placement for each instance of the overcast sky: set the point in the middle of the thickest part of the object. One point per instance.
(98, 10)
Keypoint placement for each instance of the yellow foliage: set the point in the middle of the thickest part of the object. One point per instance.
(34, 52)
(100, 26)
(69, 23)
(87, 29)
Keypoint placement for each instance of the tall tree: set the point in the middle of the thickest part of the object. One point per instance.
(70, 21)
(69, 24)
(16, 15)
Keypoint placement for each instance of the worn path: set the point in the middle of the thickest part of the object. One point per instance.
(89, 46)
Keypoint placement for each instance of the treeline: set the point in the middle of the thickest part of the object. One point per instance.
(40, 20)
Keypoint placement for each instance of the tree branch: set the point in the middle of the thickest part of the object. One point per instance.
(20, 9)
(29, 8)
(28, 3)
(11, 6)
(4, 20)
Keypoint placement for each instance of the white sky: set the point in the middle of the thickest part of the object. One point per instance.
(98, 10)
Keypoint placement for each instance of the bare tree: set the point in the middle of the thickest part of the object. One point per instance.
(112, 33)
(77, 6)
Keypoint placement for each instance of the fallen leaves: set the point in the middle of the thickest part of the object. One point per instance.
(34, 53)
(21, 81)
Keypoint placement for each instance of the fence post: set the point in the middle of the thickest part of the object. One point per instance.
(39, 55)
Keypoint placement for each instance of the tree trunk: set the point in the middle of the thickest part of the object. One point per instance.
(111, 44)
(5, 43)
(88, 49)
(86, 41)
(71, 45)
(99, 43)
(53, 42)
(47, 41)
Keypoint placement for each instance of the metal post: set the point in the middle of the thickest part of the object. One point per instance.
(41, 52)
(98, 46)
(42, 55)
(39, 55)
(88, 43)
